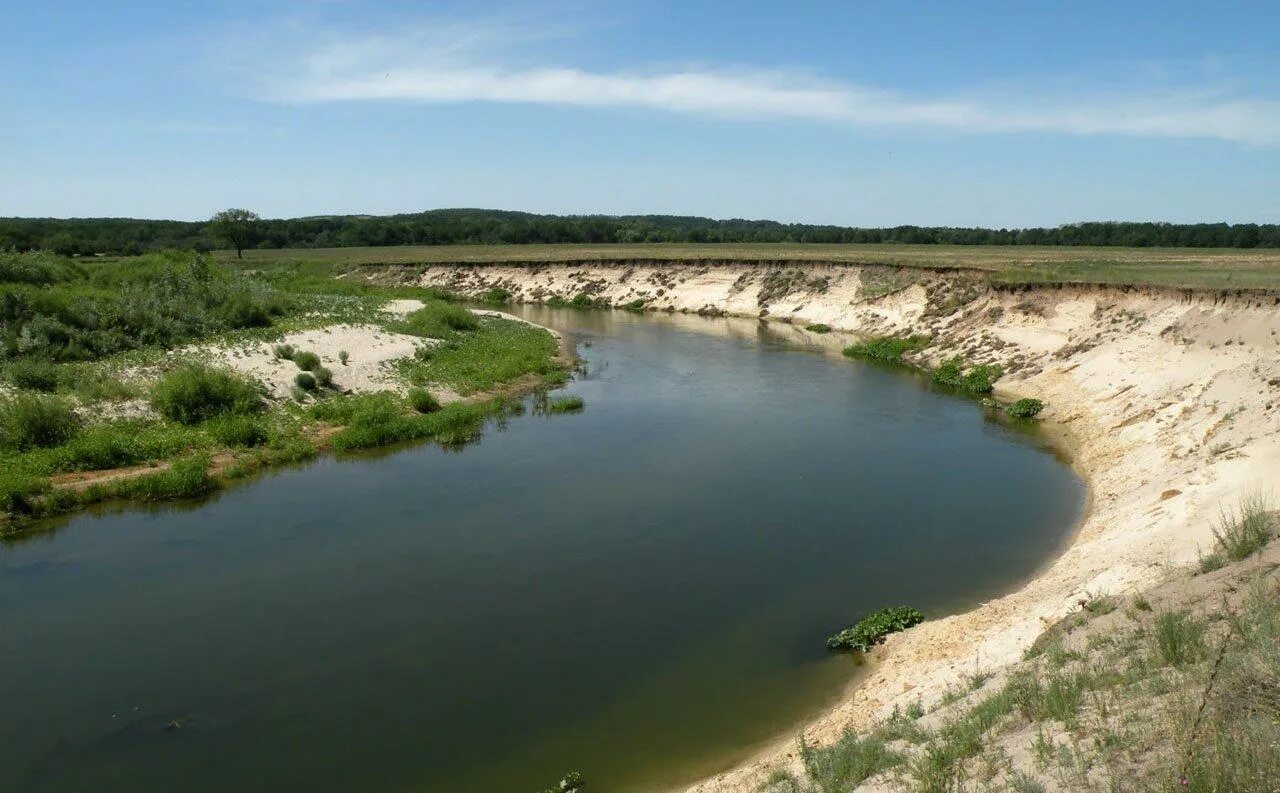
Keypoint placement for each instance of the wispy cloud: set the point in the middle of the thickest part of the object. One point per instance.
(460, 65)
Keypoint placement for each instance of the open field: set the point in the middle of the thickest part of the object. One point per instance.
(1203, 268)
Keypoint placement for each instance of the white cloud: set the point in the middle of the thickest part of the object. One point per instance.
(457, 68)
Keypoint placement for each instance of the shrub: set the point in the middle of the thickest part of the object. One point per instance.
(1025, 408)
(635, 306)
(305, 380)
(343, 356)
(584, 300)
(566, 404)
(420, 399)
(572, 782)
(238, 431)
(307, 361)
(36, 420)
(818, 327)
(1246, 530)
(34, 374)
(324, 377)
(497, 295)
(873, 628)
(978, 380)
(194, 393)
(848, 762)
(285, 351)
(886, 348)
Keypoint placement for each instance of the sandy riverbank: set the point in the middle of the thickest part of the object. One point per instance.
(1166, 399)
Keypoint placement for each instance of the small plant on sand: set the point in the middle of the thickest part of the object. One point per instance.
(1246, 530)
(194, 393)
(888, 349)
(284, 352)
(1179, 637)
(496, 295)
(1024, 408)
(635, 306)
(305, 380)
(306, 361)
(420, 399)
(437, 320)
(324, 377)
(29, 421)
(873, 628)
(818, 328)
(343, 357)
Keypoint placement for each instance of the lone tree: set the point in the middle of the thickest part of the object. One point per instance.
(240, 227)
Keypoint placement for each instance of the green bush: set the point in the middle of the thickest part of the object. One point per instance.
(888, 349)
(420, 399)
(237, 431)
(497, 295)
(819, 327)
(584, 300)
(873, 628)
(305, 380)
(33, 374)
(324, 377)
(635, 306)
(307, 361)
(30, 421)
(194, 393)
(1025, 408)
(978, 380)
(343, 357)
(285, 352)
(571, 782)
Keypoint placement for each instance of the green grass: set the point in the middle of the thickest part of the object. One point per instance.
(383, 419)
(1179, 637)
(1247, 529)
(437, 320)
(31, 421)
(976, 380)
(421, 400)
(566, 404)
(499, 351)
(887, 349)
(1024, 408)
(818, 328)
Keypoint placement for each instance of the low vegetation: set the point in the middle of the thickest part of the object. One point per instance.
(874, 627)
(193, 393)
(79, 338)
(1175, 691)
(566, 404)
(818, 327)
(977, 380)
(887, 349)
(1024, 408)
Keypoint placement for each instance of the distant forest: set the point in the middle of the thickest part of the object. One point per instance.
(87, 236)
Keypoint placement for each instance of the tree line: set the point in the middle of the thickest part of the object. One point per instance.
(89, 236)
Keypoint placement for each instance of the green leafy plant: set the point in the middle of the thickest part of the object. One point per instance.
(818, 327)
(571, 782)
(343, 357)
(237, 431)
(977, 380)
(873, 628)
(284, 352)
(1024, 408)
(888, 349)
(497, 295)
(33, 374)
(324, 377)
(305, 380)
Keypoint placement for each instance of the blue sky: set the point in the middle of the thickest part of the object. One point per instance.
(856, 113)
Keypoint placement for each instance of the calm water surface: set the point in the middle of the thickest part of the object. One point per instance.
(640, 591)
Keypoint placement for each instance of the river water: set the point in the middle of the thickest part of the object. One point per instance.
(640, 591)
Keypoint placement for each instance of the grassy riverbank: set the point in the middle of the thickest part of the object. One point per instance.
(1198, 268)
(129, 379)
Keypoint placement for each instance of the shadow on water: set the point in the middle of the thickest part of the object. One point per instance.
(641, 590)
